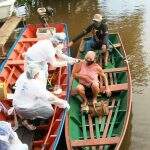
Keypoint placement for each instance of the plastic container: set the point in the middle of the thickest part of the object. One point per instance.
(45, 33)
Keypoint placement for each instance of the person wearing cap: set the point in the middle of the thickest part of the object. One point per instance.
(31, 99)
(87, 73)
(43, 53)
(99, 29)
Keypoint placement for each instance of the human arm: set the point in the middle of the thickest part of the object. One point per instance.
(63, 56)
(105, 33)
(46, 95)
(102, 74)
(58, 102)
(55, 63)
(80, 35)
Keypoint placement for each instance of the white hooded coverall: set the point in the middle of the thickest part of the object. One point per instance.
(32, 100)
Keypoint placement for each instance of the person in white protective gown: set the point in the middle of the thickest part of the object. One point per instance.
(43, 53)
(31, 99)
(9, 139)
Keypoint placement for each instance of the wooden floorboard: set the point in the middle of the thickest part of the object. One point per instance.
(7, 29)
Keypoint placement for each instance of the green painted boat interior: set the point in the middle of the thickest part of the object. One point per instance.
(79, 128)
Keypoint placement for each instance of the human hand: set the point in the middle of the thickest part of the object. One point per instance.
(70, 44)
(60, 46)
(67, 106)
(103, 47)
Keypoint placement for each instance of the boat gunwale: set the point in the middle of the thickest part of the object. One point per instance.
(127, 116)
(67, 96)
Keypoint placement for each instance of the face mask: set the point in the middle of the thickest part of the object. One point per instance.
(89, 62)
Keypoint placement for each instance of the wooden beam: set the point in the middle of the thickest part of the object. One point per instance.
(7, 29)
(15, 62)
(95, 142)
(122, 69)
(116, 87)
(27, 40)
(113, 88)
(119, 87)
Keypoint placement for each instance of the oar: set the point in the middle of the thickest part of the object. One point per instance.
(116, 49)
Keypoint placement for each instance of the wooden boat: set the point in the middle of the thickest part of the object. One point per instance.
(103, 132)
(47, 134)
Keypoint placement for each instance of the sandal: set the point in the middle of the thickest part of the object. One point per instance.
(28, 126)
(84, 108)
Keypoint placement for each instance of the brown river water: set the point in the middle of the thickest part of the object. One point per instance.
(131, 19)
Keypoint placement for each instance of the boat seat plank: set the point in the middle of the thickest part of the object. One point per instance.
(27, 40)
(121, 69)
(95, 142)
(15, 62)
(7, 29)
(113, 88)
(119, 87)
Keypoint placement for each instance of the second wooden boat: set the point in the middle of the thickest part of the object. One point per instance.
(84, 132)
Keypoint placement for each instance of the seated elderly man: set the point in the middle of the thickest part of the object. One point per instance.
(87, 73)
(32, 100)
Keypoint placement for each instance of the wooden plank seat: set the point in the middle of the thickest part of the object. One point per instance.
(6, 30)
(118, 87)
(95, 142)
(15, 62)
(114, 70)
(113, 88)
(27, 40)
